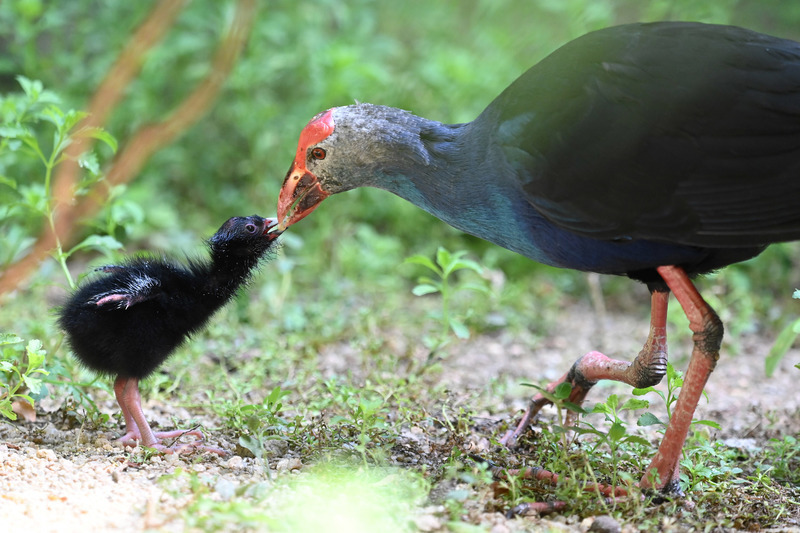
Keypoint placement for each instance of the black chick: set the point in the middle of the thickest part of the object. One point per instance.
(127, 323)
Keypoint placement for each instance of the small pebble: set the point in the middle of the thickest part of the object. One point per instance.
(46, 453)
(605, 524)
(235, 463)
(288, 464)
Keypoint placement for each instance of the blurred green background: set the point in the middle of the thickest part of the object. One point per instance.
(442, 60)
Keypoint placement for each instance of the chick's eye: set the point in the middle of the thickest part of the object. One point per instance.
(250, 228)
(318, 153)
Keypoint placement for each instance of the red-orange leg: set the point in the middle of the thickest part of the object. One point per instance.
(663, 472)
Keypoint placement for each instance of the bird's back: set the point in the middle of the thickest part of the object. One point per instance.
(132, 341)
(678, 133)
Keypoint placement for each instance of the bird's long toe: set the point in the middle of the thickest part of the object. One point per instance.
(580, 388)
(130, 438)
(134, 438)
(189, 447)
(178, 433)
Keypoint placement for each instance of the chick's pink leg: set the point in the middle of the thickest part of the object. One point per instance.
(130, 402)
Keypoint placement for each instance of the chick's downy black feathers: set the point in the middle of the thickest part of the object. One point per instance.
(127, 322)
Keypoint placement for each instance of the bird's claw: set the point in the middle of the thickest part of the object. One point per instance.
(133, 438)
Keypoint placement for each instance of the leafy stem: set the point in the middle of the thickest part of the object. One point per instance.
(443, 281)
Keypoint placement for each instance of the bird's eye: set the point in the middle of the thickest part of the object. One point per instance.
(318, 153)
(250, 228)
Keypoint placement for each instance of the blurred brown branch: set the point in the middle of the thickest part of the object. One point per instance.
(145, 142)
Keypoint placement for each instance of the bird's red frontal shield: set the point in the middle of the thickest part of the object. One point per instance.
(302, 192)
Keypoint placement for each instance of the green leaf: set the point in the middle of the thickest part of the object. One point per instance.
(6, 411)
(125, 211)
(443, 258)
(35, 354)
(9, 338)
(637, 440)
(54, 115)
(253, 444)
(782, 344)
(613, 401)
(458, 327)
(422, 290)
(632, 404)
(14, 131)
(88, 160)
(430, 281)
(275, 395)
(34, 384)
(34, 197)
(466, 264)
(544, 392)
(562, 390)
(575, 408)
(72, 118)
(616, 432)
(649, 419)
(32, 88)
(709, 423)
(101, 243)
(98, 133)
(422, 260)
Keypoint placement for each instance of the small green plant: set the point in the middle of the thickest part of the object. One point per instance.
(559, 397)
(708, 466)
(784, 456)
(22, 117)
(257, 423)
(364, 418)
(35, 133)
(616, 439)
(782, 344)
(674, 382)
(21, 369)
(617, 436)
(443, 281)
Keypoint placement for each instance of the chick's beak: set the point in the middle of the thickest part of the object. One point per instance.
(300, 194)
(271, 229)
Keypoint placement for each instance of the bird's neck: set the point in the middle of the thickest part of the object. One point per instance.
(449, 170)
(459, 173)
(226, 273)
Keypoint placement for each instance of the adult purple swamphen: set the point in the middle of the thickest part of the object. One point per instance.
(655, 151)
(128, 322)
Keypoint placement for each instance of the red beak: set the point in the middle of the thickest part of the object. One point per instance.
(300, 194)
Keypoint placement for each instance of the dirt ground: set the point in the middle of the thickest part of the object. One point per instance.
(55, 476)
